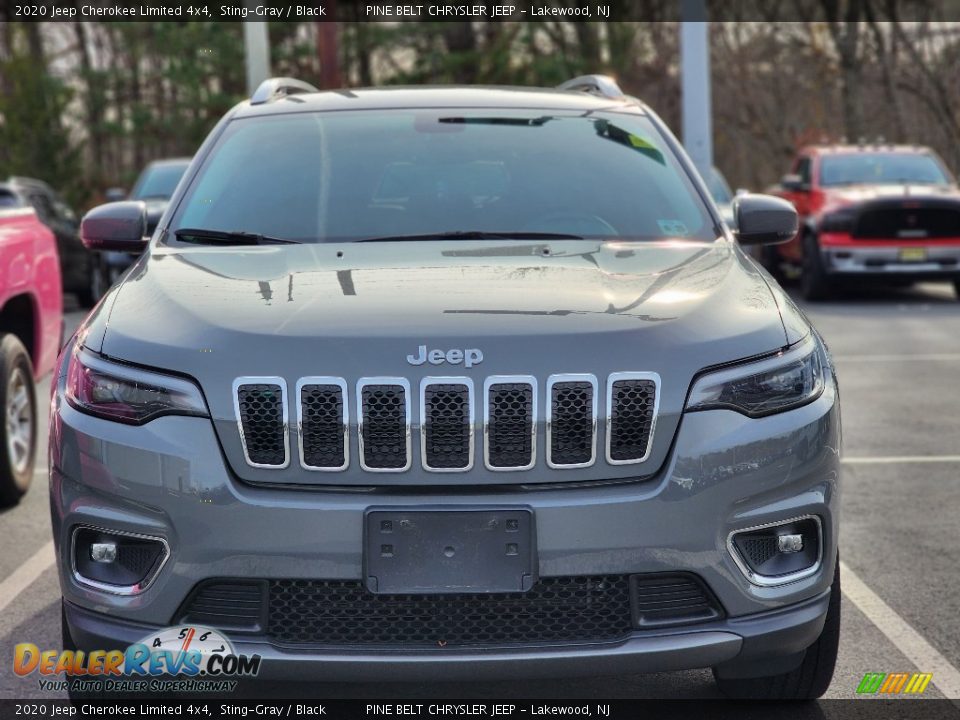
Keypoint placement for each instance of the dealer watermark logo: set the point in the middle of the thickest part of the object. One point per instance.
(182, 658)
(894, 683)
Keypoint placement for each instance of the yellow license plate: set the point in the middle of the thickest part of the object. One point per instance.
(913, 254)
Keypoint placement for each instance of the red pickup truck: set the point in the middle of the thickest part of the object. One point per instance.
(889, 213)
(31, 328)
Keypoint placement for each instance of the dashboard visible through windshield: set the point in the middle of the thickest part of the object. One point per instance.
(346, 176)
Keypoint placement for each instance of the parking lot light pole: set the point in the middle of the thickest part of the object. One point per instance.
(257, 53)
(695, 79)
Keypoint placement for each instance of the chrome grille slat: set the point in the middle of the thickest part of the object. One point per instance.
(447, 417)
(383, 426)
(323, 423)
(571, 421)
(510, 422)
(446, 424)
(262, 420)
(633, 400)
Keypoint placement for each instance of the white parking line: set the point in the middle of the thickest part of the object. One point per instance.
(897, 358)
(894, 459)
(21, 578)
(898, 631)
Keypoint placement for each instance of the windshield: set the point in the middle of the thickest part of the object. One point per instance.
(158, 181)
(345, 176)
(881, 169)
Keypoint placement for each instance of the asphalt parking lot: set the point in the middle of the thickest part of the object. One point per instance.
(897, 353)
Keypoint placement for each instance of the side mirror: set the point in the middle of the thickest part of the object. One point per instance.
(115, 194)
(793, 183)
(764, 220)
(116, 226)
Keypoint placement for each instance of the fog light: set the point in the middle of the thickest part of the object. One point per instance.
(778, 553)
(789, 543)
(116, 561)
(103, 552)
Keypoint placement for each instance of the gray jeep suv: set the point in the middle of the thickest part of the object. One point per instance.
(439, 383)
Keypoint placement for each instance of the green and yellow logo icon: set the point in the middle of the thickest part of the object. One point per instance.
(894, 683)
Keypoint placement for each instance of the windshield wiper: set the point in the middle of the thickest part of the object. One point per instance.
(475, 235)
(221, 237)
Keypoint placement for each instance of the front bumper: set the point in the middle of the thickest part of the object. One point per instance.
(726, 472)
(941, 262)
(772, 641)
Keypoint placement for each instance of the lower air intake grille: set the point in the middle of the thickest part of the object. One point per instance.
(333, 612)
(342, 613)
(385, 423)
(631, 419)
(323, 430)
(231, 605)
(261, 418)
(446, 427)
(510, 425)
(571, 423)
(672, 599)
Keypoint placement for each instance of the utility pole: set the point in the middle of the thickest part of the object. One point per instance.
(328, 48)
(256, 45)
(695, 83)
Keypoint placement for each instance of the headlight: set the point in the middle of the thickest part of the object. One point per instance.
(790, 379)
(840, 221)
(128, 395)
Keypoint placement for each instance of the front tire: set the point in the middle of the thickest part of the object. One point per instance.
(811, 678)
(956, 288)
(814, 281)
(18, 449)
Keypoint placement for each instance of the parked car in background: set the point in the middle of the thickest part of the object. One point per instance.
(722, 195)
(888, 213)
(31, 328)
(53, 211)
(154, 187)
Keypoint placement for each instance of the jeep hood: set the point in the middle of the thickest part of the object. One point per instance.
(356, 310)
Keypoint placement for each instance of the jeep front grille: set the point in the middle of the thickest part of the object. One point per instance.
(510, 422)
(447, 415)
(631, 414)
(571, 420)
(323, 423)
(261, 407)
(446, 424)
(384, 424)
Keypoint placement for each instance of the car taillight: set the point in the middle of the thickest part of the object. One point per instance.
(126, 394)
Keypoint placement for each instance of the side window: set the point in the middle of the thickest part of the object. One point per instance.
(8, 200)
(803, 170)
(41, 203)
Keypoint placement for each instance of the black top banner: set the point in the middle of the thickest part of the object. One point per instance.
(210, 709)
(466, 10)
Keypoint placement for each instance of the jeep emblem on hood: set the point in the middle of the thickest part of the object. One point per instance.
(469, 357)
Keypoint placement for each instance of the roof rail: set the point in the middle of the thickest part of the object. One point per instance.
(279, 87)
(602, 85)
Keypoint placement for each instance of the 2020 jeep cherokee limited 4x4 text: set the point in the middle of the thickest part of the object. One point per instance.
(452, 383)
